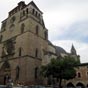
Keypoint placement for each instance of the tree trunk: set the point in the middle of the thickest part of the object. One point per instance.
(60, 81)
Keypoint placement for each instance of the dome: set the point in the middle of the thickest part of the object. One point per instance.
(60, 50)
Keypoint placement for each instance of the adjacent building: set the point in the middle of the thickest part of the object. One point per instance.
(60, 52)
(81, 79)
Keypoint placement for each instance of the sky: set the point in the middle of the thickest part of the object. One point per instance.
(66, 21)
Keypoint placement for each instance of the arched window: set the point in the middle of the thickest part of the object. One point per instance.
(9, 47)
(39, 15)
(23, 13)
(20, 51)
(12, 19)
(36, 73)
(46, 35)
(1, 38)
(27, 10)
(22, 27)
(12, 27)
(36, 52)
(87, 86)
(79, 74)
(33, 11)
(36, 13)
(17, 72)
(37, 30)
(6, 65)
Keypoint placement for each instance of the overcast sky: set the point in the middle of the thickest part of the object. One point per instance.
(66, 20)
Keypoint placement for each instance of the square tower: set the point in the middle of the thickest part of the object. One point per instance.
(23, 40)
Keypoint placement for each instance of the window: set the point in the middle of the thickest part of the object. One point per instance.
(87, 73)
(12, 27)
(12, 19)
(20, 51)
(33, 11)
(3, 52)
(36, 13)
(79, 74)
(3, 26)
(1, 38)
(36, 53)
(36, 73)
(9, 46)
(37, 30)
(22, 27)
(23, 13)
(27, 10)
(39, 15)
(17, 72)
(46, 35)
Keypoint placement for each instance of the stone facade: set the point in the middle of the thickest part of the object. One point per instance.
(24, 47)
(50, 54)
(23, 41)
(60, 52)
(81, 78)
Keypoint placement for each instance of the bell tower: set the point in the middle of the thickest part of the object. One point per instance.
(73, 50)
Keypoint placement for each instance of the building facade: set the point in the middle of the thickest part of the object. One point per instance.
(24, 47)
(23, 42)
(60, 52)
(81, 79)
(50, 54)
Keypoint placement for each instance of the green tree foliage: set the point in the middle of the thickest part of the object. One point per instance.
(60, 68)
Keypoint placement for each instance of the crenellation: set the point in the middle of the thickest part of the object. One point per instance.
(20, 6)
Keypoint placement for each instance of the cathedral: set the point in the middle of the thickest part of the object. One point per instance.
(24, 46)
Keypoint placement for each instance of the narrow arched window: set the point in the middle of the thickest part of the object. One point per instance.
(27, 10)
(12, 27)
(17, 72)
(45, 35)
(39, 15)
(36, 13)
(20, 51)
(36, 52)
(1, 38)
(23, 13)
(79, 74)
(33, 11)
(36, 73)
(22, 27)
(37, 30)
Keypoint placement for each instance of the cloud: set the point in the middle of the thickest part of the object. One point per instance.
(77, 31)
(66, 21)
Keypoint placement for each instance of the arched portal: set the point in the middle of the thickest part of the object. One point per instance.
(70, 85)
(80, 85)
(87, 86)
(5, 73)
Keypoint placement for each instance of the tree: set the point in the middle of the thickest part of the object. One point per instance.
(60, 69)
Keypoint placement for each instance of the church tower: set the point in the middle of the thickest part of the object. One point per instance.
(73, 50)
(23, 40)
(74, 54)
